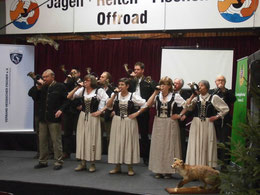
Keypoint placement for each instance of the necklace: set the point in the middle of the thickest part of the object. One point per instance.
(204, 97)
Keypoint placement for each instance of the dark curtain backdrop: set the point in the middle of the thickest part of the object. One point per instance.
(110, 55)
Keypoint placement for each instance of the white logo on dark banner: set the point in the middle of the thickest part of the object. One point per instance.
(16, 58)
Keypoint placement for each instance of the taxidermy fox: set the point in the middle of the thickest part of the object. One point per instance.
(205, 174)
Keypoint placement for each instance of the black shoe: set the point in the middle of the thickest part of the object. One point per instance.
(40, 165)
(57, 167)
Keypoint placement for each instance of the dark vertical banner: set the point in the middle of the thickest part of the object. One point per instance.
(240, 106)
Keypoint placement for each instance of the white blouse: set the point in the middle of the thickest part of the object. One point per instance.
(216, 101)
(137, 100)
(101, 96)
(177, 99)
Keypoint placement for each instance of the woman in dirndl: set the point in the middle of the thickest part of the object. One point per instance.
(88, 136)
(165, 142)
(124, 136)
(202, 143)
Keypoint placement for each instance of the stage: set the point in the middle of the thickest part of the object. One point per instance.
(18, 176)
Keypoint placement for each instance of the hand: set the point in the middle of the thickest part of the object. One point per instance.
(112, 114)
(133, 74)
(58, 114)
(221, 86)
(134, 115)
(79, 107)
(97, 113)
(80, 84)
(197, 93)
(66, 80)
(193, 95)
(41, 81)
(175, 116)
(183, 117)
(157, 89)
(117, 90)
(213, 118)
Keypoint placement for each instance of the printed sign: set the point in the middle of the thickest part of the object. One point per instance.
(240, 106)
(61, 16)
(16, 107)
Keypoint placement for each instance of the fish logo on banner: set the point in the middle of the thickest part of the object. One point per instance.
(237, 10)
(24, 13)
(16, 57)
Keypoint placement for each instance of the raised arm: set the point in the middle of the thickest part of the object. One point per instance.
(150, 101)
(71, 93)
(111, 100)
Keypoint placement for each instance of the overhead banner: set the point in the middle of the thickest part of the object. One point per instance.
(63, 16)
(240, 106)
(16, 107)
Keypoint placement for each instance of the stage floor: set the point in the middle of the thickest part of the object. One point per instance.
(17, 166)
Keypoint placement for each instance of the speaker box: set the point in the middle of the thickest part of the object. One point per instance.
(254, 87)
(255, 74)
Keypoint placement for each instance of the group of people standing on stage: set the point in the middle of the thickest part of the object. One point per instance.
(92, 106)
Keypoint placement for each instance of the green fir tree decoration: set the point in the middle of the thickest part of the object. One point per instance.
(242, 176)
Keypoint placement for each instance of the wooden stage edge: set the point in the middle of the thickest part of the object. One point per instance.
(191, 190)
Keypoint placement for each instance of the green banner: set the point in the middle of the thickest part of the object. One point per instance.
(240, 106)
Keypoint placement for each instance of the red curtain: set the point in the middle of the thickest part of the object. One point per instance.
(110, 55)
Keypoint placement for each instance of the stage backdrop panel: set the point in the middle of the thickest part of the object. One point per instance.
(194, 65)
(16, 107)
